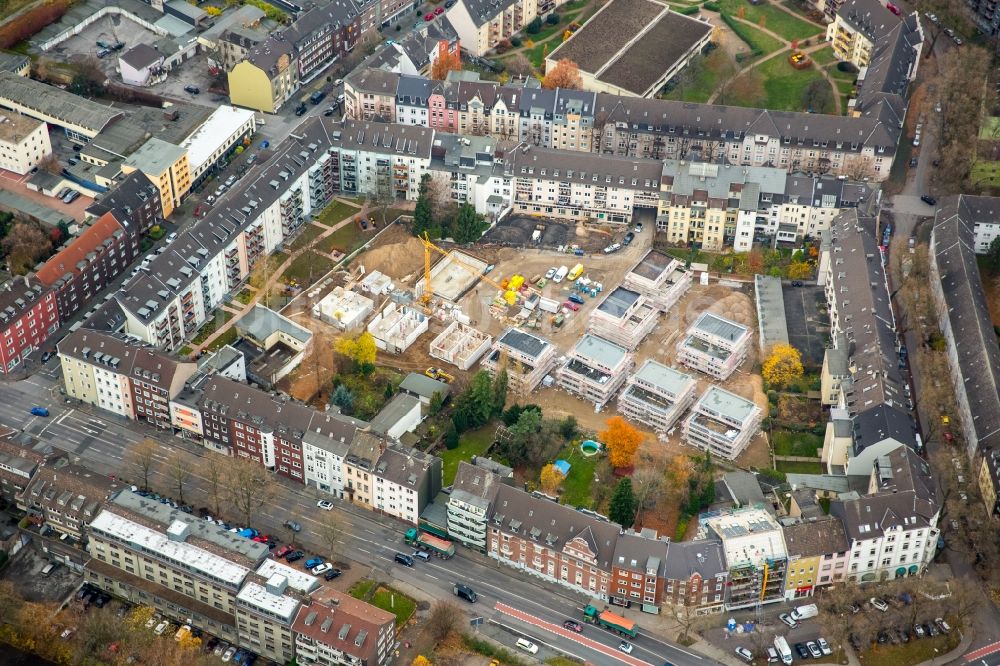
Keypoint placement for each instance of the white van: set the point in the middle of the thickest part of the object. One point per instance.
(527, 646)
(804, 612)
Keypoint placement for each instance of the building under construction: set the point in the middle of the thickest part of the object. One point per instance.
(754, 545)
(397, 327)
(657, 395)
(461, 345)
(528, 358)
(595, 369)
(623, 317)
(659, 277)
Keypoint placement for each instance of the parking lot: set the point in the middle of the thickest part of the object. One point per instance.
(517, 231)
(111, 28)
(25, 572)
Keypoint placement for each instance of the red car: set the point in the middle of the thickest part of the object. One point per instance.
(284, 550)
(262, 538)
(429, 17)
(573, 625)
(438, 11)
(571, 305)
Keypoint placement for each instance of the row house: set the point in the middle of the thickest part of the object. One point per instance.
(557, 543)
(334, 628)
(858, 146)
(133, 201)
(121, 375)
(892, 530)
(809, 206)
(595, 369)
(66, 497)
(406, 481)
(88, 264)
(817, 556)
(29, 315)
(660, 278)
(714, 345)
(469, 169)
(324, 462)
(578, 187)
(472, 495)
(722, 423)
(18, 464)
(656, 396)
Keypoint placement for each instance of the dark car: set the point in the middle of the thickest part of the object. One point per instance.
(300, 109)
(802, 650)
(46, 356)
(928, 199)
(332, 573)
(573, 625)
(317, 97)
(194, 90)
(294, 556)
(404, 559)
(576, 298)
(629, 237)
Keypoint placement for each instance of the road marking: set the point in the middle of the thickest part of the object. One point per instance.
(364, 550)
(519, 632)
(983, 651)
(432, 576)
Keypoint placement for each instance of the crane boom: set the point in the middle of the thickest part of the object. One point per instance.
(428, 246)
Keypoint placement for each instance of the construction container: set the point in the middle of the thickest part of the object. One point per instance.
(548, 305)
(510, 297)
(516, 282)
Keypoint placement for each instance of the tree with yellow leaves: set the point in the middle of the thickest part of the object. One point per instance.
(622, 441)
(421, 660)
(550, 478)
(782, 366)
(564, 74)
(361, 350)
(799, 270)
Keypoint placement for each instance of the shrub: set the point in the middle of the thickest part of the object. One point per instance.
(515, 42)
(535, 26)
(688, 11)
(743, 34)
(772, 396)
(552, 19)
(712, 6)
(848, 67)
(156, 232)
(772, 474)
(682, 526)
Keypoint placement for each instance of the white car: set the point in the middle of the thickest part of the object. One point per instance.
(814, 650)
(160, 628)
(549, 273)
(942, 625)
(879, 604)
(171, 237)
(787, 619)
(228, 654)
(626, 647)
(325, 504)
(321, 569)
(744, 654)
(824, 647)
(527, 646)
(151, 622)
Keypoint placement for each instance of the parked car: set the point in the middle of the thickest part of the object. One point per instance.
(878, 604)
(918, 629)
(325, 504)
(228, 654)
(294, 556)
(824, 647)
(160, 628)
(549, 273)
(293, 526)
(928, 199)
(404, 559)
(802, 651)
(629, 237)
(332, 573)
(39, 411)
(744, 654)
(194, 90)
(942, 625)
(932, 629)
(814, 650)
(573, 625)
(284, 550)
(46, 356)
(300, 109)
(787, 619)
(322, 568)
(313, 562)
(570, 305)
(429, 16)
(638, 228)
(527, 646)
(171, 237)
(576, 298)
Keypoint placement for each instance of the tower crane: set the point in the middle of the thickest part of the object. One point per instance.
(428, 290)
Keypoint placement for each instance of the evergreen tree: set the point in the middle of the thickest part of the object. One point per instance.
(623, 504)
(468, 225)
(343, 398)
(499, 392)
(423, 216)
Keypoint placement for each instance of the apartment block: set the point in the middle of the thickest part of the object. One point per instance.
(133, 201)
(714, 345)
(755, 555)
(18, 465)
(817, 556)
(266, 607)
(638, 570)
(166, 166)
(656, 395)
(595, 370)
(861, 28)
(66, 497)
(624, 318)
(24, 142)
(469, 169)
(722, 423)
(29, 314)
(379, 158)
(406, 481)
(471, 498)
(266, 77)
(334, 629)
(208, 146)
(554, 542)
(695, 576)
(526, 357)
(323, 457)
(660, 278)
(481, 25)
(461, 345)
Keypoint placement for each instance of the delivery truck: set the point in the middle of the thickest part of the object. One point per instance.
(784, 652)
(429, 543)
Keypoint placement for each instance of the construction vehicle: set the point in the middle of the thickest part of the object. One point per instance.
(439, 374)
(429, 543)
(610, 621)
(425, 298)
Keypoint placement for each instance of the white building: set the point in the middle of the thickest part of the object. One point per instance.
(382, 159)
(722, 423)
(24, 142)
(470, 500)
(527, 358)
(657, 395)
(662, 279)
(755, 551)
(222, 131)
(264, 617)
(142, 65)
(344, 309)
(714, 345)
(595, 369)
(323, 462)
(405, 482)
(623, 317)
(397, 327)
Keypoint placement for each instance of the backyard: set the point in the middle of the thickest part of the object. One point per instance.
(576, 486)
(386, 598)
(335, 212)
(345, 239)
(471, 443)
(306, 237)
(219, 318)
(306, 268)
(785, 86)
(790, 443)
(774, 19)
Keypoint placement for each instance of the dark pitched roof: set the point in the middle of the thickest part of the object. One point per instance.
(882, 422)
(124, 355)
(141, 56)
(130, 194)
(816, 537)
(641, 553)
(704, 557)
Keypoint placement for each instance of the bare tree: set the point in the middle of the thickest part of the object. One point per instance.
(965, 601)
(179, 469)
(444, 619)
(520, 66)
(329, 531)
(687, 620)
(214, 470)
(25, 244)
(249, 487)
(647, 481)
(260, 276)
(140, 458)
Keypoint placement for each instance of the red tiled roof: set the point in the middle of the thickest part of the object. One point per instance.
(329, 611)
(66, 260)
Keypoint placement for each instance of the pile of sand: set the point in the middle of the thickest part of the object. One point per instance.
(397, 258)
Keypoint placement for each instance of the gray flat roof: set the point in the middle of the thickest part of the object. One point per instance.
(261, 322)
(652, 265)
(618, 302)
(721, 327)
(770, 310)
(155, 156)
(525, 343)
(55, 102)
(727, 404)
(396, 409)
(598, 349)
(664, 377)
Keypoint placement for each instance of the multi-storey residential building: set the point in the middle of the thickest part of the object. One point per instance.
(323, 457)
(623, 317)
(637, 570)
(18, 465)
(359, 467)
(370, 94)
(662, 279)
(755, 555)
(526, 357)
(536, 113)
(229, 40)
(406, 481)
(481, 25)
(552, 541)
(595, 369)
(266, 77)
(657, 395)
(471, 498)
(810, 204)
(209, 145)
(988, 480)
(722, 423)
(166, 166)
(572, 120)
(29, 314)
(134, 202)
(714, 345)
(266, 607)
(386, 160)
(66, 497)
(817, 556)
(188, 569)
(339, 630)
(695, 577)
(24, 143)
(893, 530)
(466, 168)
(90, 262)
(861, 28)
(123, 376)
(568, 185)
(412, 100)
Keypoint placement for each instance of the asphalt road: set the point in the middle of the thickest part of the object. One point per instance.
(98, 440)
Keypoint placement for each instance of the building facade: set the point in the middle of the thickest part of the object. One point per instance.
(24, 143)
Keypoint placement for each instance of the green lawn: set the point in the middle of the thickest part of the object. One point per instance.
(990, 129)
(985, 173)
(706, 80)
(788, 443)
(389, 217)
(362, 588)
(219, 318)
(576, 486)
(245, 295)
(824, 56)
(838, 75)
(394, 602)
(783, 84)
(471, 443)
(306, 236)
(227, 338)
(845, 87)
(757, 40)
(777, 21)
(307, 267)
(345, 239)
(336, 212)
(798, 467)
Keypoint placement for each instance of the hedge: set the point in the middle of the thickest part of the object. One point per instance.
(688, 11)
(737, 27)
(712, 6)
